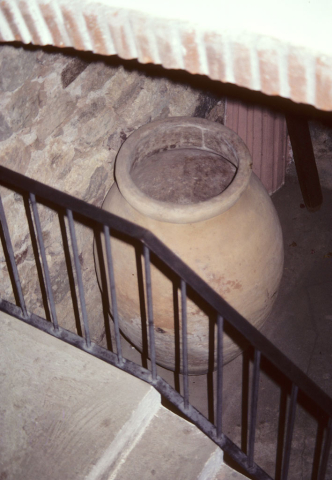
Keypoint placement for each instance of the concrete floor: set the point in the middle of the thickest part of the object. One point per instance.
(300, 325)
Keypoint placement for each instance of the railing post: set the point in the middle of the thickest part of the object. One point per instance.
(10, 251)
(220, 332)
(47, 277)
(253, 408)
(184, 344)
(326, 451)
(113, 293)
(150, 312)
(79, 277)
(289, 433)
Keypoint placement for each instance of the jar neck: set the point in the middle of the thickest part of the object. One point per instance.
(179, 133)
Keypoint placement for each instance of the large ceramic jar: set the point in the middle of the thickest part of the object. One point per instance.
(228, 232)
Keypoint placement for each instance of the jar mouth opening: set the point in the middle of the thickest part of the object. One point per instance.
(168, 139)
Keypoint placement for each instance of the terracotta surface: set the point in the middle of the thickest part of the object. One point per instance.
(282, 50)
(233, 241)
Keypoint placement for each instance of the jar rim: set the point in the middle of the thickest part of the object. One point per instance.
(205, 130)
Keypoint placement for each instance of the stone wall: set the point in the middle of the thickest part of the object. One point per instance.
(64, 116)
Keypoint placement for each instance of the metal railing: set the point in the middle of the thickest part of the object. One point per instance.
(76, 210)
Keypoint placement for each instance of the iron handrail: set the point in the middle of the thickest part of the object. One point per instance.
(51, 197)
(256, 338)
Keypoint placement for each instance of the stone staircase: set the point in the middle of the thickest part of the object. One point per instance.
(68, 415)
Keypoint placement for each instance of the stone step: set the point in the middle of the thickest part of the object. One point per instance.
(67, 415)
(171, 448)
(227, 473)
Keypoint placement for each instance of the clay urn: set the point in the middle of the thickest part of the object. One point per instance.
(190, 182)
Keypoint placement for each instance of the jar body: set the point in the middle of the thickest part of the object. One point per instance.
(239, 253)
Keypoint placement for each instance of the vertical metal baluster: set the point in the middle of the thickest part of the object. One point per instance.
(289, 433)
(253, 407)
(113, 293)
(150, 312)
(184, 344)
(47, 277)
(13, 265)
(220, 327)
(326, 451)
(79, 276)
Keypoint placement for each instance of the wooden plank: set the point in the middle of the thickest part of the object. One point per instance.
(304, 158)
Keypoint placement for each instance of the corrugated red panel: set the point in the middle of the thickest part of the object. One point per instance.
(265, 134)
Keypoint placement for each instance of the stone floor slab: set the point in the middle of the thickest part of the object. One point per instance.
(63, 414)
(171, 448)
